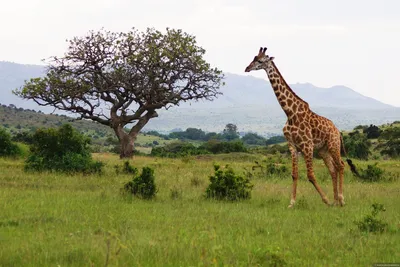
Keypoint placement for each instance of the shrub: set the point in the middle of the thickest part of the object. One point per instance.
(372, 131)
(126, 169)
(177, 149)
(372, 174)
(276, 140)
(217, 147)
(391, 138)
(7, 147)
(143, 185)
(226, 184)
(357, 145)
(370, 223)
(63, 149)
(253, 139)
(23, 137)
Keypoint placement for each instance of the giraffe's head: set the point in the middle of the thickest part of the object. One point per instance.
(260, 61)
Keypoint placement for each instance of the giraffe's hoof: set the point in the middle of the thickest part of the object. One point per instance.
(290, 206)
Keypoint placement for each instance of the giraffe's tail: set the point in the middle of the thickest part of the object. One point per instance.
(349, 161)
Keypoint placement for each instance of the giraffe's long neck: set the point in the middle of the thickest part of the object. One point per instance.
(289, 101)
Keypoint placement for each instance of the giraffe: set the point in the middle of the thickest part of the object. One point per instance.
(305, 131)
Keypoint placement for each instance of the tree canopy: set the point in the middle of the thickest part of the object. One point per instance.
(116, 78)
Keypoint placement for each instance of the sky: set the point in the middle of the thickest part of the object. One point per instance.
(326, 43)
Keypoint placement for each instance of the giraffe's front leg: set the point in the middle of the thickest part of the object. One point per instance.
(295, 174)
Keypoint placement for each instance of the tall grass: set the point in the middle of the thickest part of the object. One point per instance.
(52, 219)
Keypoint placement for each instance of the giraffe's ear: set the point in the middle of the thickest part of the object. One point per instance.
(271, 58)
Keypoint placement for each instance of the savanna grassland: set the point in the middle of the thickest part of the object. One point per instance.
(52, 219)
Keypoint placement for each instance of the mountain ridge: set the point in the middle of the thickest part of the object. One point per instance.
(246, 100)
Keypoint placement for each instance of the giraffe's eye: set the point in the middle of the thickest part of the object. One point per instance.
(255, 58)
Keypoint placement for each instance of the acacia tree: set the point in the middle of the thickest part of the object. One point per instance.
(120, 78)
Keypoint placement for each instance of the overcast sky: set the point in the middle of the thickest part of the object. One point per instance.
(354, 43)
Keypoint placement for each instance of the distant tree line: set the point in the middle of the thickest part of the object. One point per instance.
(229, 133)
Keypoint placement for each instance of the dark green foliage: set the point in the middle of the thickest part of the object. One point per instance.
(372, 174)
(23, 137)
(126, 168)
(372, 131)
(177, 149)
(212, 136)
(370, 224)
(392, 148)
(275, 140)
(357, 145)
(7, 147)
(143, 185)
(253, 139)
(391, 139)
(217, 147)
(181, 149)
(194, 134)
(230, 132)
(155, 133)
(62, 149)
(361, 127)
(227, 185)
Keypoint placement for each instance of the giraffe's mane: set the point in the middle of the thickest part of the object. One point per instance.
(286, 84)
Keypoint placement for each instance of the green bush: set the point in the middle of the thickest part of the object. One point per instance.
(7, 147)
(391, 138)
(372, 131)
(253, 139)
(276, 140)
(370, 223)
(227, 185)
(357, 145)
(126, 169)
(372, 174)
(177, 149)
(62, 149)
(143, 185)
(218, 147)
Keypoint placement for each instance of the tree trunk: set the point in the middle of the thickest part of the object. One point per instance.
(127, 145)
(126, 142)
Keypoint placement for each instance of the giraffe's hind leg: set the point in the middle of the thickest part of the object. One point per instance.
(308, 157)
(334, 152)
(329, 162)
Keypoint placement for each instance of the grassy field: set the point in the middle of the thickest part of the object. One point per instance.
(53, 219)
